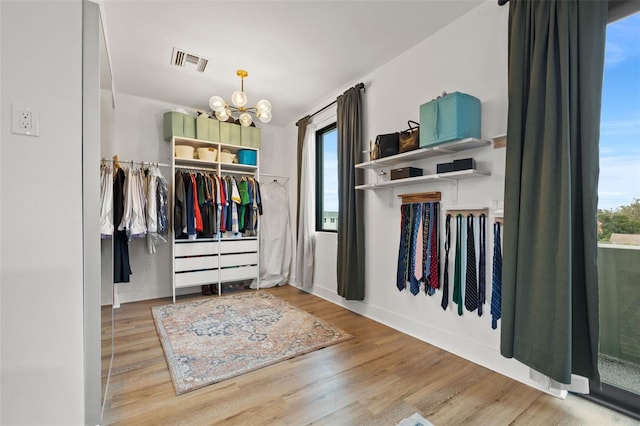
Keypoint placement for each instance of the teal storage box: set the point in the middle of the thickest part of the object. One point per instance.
(173, 124)
(247, 156)
(451, 117)
(189, 130)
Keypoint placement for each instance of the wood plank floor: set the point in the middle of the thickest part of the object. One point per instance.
(378, 378)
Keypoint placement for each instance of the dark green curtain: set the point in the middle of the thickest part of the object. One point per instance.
(302, 131)
(350, 262)
(550, 276)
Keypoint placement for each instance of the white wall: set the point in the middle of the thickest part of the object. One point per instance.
(470, 56)
(137, 134)
(41, 312)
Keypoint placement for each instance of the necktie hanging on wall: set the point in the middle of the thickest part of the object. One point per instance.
(418, 270)
(445, 280)
(403, 252)
(425, 242)
(471, 284)
(496, 281)
(434, 278)
(418, 242)
(457, 274)
(482, 224)
(415, 218)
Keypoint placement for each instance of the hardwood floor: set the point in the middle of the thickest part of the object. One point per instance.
(378, 378)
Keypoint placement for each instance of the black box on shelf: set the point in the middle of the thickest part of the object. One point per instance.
(444, 168)
(464, 164)
(405, 172)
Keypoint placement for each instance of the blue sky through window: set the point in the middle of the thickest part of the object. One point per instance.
(620, 119)
(330, 171)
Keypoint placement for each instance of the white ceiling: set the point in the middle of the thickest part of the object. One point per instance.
(297, 52)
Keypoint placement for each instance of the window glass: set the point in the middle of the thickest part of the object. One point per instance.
(327, 178)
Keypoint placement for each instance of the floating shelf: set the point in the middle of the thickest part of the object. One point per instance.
(417, 154)
(462, 174)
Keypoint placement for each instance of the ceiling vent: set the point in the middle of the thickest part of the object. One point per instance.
(188, 60)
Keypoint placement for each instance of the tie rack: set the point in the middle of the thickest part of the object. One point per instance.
(420, 197)
(467, 212)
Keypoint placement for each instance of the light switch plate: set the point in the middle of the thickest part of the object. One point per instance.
(25, 120)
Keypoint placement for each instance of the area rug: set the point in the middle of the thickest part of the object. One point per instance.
(209, 340)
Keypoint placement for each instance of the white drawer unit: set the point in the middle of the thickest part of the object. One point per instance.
(196, 263)
(238, 273)
(238, 259)
(195, 248)
(217, 258)
(238, 246)
(189, 279)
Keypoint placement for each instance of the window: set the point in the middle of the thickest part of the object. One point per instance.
(327, 179)
(619, 218)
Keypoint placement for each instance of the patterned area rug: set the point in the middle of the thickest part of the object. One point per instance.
(206, 341)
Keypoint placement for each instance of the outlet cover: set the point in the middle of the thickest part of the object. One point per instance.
(25, 120)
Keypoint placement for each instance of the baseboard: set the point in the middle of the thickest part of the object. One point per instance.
(461, 346)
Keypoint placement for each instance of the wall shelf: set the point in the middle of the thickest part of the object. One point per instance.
(462, 174)
(418, 154)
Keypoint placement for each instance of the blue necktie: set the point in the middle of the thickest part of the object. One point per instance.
(414, 283)
(496, 281)
(405, 233)
(482, 264)
(445, 280)
(471, 285)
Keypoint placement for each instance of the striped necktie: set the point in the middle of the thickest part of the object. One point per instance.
(457, 274)
(445, 280)
(434, 277)
(416, 215)
(471, 285)
(482, 262)
(496, 281)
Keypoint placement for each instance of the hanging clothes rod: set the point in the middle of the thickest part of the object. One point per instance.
(203, 169)
(117, 160)
(286, 178)
(420, 197)
(358, 86)
(467, 212)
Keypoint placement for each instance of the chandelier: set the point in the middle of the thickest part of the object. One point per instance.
(223, 111)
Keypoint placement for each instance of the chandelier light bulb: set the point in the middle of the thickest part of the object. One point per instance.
(245, 119)
(238, 99)
(216, 103)
(263, 105)
(264, 116)
(222, 114)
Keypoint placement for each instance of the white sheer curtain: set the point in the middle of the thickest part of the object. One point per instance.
(305, 247)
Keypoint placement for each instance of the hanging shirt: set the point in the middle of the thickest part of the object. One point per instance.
(106, 202)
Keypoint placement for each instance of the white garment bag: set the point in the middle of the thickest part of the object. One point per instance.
(276, 239)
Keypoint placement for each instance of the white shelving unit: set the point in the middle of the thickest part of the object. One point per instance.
(212, 260)
(423, 153)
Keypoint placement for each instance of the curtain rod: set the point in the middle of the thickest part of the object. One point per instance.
(357, 86)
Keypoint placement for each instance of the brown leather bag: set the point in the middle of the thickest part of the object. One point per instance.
(410, 138)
